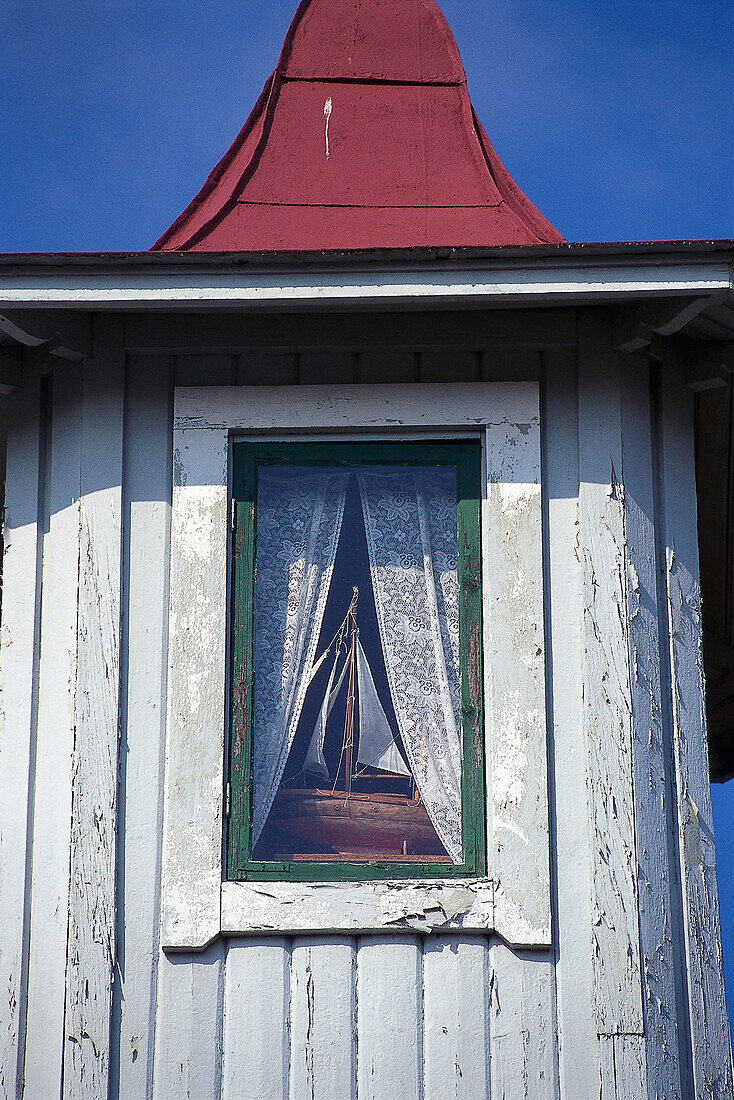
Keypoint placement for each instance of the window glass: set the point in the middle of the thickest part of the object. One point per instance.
(356, 741)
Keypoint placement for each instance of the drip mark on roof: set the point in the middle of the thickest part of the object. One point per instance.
(327, 112)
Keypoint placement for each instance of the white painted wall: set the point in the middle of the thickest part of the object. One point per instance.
(626, 1004)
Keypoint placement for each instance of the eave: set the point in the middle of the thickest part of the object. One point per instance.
(484, 278)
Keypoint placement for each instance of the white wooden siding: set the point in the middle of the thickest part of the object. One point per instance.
(338, 1016)
(607, 685)
(147, 489)
(17, 726)
(668, 1057)
(91, 935)
(710, 1042)
(49, 886)
(257, 1048)
(572, 865)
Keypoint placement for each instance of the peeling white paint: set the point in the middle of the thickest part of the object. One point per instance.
(407, 906)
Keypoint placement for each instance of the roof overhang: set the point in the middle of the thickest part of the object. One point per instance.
(501, 278)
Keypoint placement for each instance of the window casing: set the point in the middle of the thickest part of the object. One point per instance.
(341, 817)
(512, 897)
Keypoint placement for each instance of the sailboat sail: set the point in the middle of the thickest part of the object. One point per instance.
(315, 761)
(377, 748)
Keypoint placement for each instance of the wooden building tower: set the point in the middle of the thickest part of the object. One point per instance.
(353, 729)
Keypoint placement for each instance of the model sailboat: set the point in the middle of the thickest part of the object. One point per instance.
(376, 746)
(353, 816)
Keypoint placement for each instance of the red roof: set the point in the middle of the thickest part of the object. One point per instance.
(363, 137)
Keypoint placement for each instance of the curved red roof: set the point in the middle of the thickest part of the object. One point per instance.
(363, 137)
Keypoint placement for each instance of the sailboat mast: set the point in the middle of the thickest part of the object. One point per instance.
(349, 717)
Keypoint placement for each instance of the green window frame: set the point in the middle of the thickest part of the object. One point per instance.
(466, 456)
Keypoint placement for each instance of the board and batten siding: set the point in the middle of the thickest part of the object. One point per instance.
(90, 1003)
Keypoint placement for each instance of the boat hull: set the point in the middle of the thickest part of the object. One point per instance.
(367, 826)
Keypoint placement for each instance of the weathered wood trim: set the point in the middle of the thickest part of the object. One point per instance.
(429, 406)
(571, 837)
(514, 663)
(710, 1040)
(389, 906)
(623, 1069)
(193, 814)
(607, 687)
(192, 865)
(91, 936)
(278, 333)
(665, 1047)
(258, 286)
(49, 920)
(147, 508)
(18, 684)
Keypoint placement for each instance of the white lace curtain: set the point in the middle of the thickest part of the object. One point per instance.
(410, 522)
(298, 522)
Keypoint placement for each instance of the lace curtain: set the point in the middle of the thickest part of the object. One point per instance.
(298, 522)
(410, 521)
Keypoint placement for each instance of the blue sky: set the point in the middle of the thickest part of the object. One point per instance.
(615, 116)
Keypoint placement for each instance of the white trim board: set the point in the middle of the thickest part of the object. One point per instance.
(514, 899)
(504, 282)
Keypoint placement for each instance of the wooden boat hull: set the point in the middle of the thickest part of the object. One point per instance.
(376, 826)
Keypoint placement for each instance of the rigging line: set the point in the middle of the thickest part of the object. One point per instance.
(338, 634)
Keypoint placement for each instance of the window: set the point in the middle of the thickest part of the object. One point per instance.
(221, 437)
(356, 662)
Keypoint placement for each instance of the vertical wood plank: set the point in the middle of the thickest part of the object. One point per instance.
(256, 1020)
(91, 944)
(623, 1073)
(514, 668)
(578, 1046)
(710, 1040)
(389, 1018)
(57, 689)
(20, 606)
(323, 1019)
(192, 830)
(659, 892)
(147, 487)
(456, 1018)
(607, 689)
(630, 1063)
(607, 1077)
(188, 1049)
(522, 1025)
